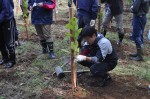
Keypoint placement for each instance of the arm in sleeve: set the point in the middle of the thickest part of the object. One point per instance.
(136, 5)
(94, 9)
(50, 4)
(105, 48)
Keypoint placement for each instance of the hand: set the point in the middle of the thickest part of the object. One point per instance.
(131, 8)
(31, 8)
(40, 4)
(80, 58)
(34, 5)
(92, 23)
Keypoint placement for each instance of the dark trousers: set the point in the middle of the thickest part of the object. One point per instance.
(138, 23)
(7, 36)
(82, 22)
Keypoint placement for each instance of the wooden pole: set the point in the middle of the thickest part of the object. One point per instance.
(26, 26)
(17, 6)
(55, 16)
(99, 16)
(73, 66)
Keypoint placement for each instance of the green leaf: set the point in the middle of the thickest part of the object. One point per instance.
(69, 26)
(64, 50)
(69, 35)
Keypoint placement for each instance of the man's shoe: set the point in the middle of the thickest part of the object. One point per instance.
(106, 81)
(10, 64)
(2, 62)
(133, 55)
(51, 55)
(137, 58)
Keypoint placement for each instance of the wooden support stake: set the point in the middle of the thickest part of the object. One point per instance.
(26, 26)
(73, 66)
(99, 17)
(17, 7)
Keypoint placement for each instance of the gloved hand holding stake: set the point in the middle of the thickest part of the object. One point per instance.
(92, 23)
(80, 58)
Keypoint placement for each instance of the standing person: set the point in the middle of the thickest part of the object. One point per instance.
(87, 13)
(114, 8)
(41, 17)
(7, 34)
(139, 9)
(98, 54)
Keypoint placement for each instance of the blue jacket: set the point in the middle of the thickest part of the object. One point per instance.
(88, 8)
(6, 10)
(41, 15)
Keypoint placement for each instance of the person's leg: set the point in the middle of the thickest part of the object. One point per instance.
(119, 21)
(49, 40)
(42, 39)
(3, 48)
(9, 38)
(101, 69)
(137, 34)
(106, 22)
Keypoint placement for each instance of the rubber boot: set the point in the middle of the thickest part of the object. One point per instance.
(5, 57)
(139, 55)
(12, 60)
(105, 81)
(121, 36)
(104, 31)
(51, 50)
(44, 46)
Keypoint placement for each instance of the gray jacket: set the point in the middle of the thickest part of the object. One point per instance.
(140, 7)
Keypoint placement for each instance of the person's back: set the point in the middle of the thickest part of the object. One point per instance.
(140, 7)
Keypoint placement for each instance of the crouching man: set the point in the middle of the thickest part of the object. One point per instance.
(97, 54)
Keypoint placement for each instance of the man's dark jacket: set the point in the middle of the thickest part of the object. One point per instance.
(116, 6)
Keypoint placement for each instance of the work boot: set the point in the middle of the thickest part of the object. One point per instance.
(105, 81)
(44, 46)
(5, 57)
(12, 60)
(120, 36)
(133, 55)
(51, 50)
(139, 55)
(104, 31)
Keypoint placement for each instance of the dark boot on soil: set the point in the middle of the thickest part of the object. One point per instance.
(104, 31)
(139, 55)
(121, 36)
(51, 50)
(17, 43)
(4, 57)
(44, 46)
(12, 60)
(105, 81)
(133, 55)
